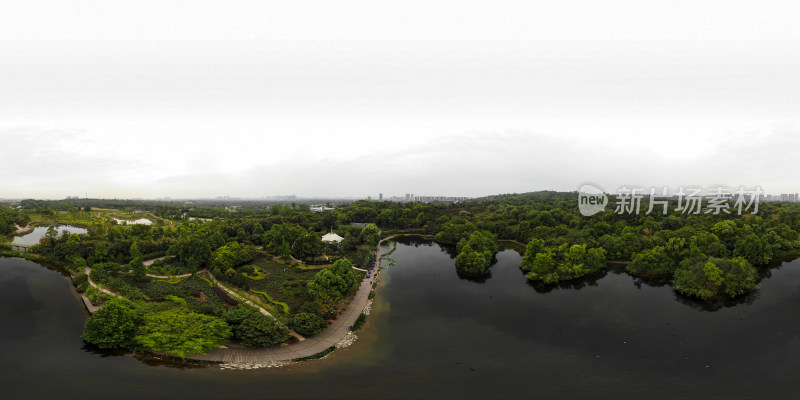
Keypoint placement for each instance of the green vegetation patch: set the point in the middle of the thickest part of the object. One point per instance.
(553, 264)
(362, 319)
(253, 272)
(283, 305)
(168, 266)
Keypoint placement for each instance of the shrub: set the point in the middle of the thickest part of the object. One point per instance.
(81, 282)
(235, 316)
(103, 272)
(95, 295)
(310, 307)
(121, 287)
(158, 289)
(360, 322)
(112, 326)
(709, 277)
(181, 332)
(307, 324)
(261, 331)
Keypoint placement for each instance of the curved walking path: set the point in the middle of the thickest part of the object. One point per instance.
(150, 262)
(88, 303)
(241, 298)
(335, 332)
(307, 347)
(93, 308)
(88, 270)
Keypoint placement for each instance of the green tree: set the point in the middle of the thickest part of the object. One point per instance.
(473, 262)
(725, 231)
(181, 332)
(216, 240)
(112, 326)
(307, 244)
(137, 263)
(753, 249)
(261, 331)
(740, 277)
(652, 262)
(476, 253)
(307, 324)
(241, 235)
(343, 268)
(562, 263)
(455, 230)
(370, 235)
(231, 256)
(258, 230)
(235, 316)
(50, 237)
(327, 286)
(709, 277)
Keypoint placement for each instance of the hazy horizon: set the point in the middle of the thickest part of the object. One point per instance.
(351, 99)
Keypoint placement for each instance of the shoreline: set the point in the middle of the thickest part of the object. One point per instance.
(336, 337)
(24, 230)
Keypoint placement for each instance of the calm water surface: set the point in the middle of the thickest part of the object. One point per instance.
(39, 232)
(435, 335)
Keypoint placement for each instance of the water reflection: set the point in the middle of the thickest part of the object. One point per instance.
(433, 335)
(591, 280)
(103, 353)
(39, 232)
(155, 361)
(716, 304)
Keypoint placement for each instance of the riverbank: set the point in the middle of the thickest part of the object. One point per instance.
(336, 335)
(23, 230)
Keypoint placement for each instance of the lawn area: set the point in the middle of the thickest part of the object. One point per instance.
(282, 282)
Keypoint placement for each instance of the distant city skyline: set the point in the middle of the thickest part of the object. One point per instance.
(352, 99)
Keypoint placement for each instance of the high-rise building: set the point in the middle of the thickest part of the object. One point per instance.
(380, 196)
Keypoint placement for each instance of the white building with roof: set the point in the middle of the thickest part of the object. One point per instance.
(332, 238)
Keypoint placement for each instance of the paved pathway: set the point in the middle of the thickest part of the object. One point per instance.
(88, 303)
(260, 309)
(168, 276)
(335, 332)
(150, 262)
(87, 270)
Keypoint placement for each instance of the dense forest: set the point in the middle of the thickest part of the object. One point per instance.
(272, 255)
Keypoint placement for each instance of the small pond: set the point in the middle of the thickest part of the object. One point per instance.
(40, 231)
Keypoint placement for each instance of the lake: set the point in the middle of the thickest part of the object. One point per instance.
(39, 232)
(435, 335)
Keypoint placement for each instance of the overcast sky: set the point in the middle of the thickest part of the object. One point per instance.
(340, 98)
